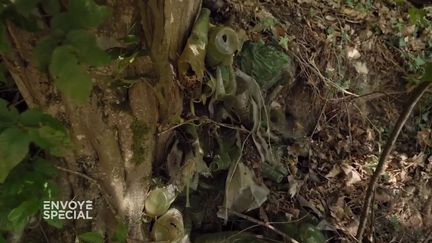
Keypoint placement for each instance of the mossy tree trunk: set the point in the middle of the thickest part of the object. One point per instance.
(116, 132)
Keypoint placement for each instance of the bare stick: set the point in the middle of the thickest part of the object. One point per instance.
(415, 97)
(267, 225)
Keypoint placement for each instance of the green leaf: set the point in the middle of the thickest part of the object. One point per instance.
(31, 118)
(2, 240)
(25, 6)
(19, 216)
(63, 22)
(88, 50)
(55, 222)
(89, 13)
(54, 136)
(91, 237)
(44, 130)
(44, 167)
(81, 14)
(120, 233)
(14, 145)
(68, 75)
(62, 60)
(43, 51)
(51, 6)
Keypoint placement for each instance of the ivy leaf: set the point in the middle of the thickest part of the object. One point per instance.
(43, 51)
(14, 145)
(25, 6)
(19, 216)
(68, 75)
(88, 50)
(91, 237)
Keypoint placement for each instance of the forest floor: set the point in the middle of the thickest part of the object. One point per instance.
(356, 63)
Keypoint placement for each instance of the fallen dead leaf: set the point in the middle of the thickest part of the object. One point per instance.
(353, 53)
(334, 172)
(361, 67)
(352, 175)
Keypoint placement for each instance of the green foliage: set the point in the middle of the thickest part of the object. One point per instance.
(71, 46)
(86, 47)
(69, 76)
(69, 39)
(17, 131)
(82, 14)
(120, 233)
(14, 145)
(44, 49)
(19, 215)
(22, 193)
(91, 237)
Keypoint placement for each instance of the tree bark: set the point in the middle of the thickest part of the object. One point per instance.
(116, 132)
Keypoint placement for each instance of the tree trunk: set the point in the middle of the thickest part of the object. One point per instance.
(116, 132)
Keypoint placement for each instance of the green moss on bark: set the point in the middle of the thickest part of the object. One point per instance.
(140, 133)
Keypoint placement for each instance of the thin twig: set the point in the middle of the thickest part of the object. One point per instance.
(267, 225)
(44, 234)
(428, 236)
(415, 97)
(94, 181)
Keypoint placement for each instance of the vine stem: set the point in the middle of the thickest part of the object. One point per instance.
(408, 108)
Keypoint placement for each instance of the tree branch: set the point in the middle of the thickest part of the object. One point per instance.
(415, 97)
